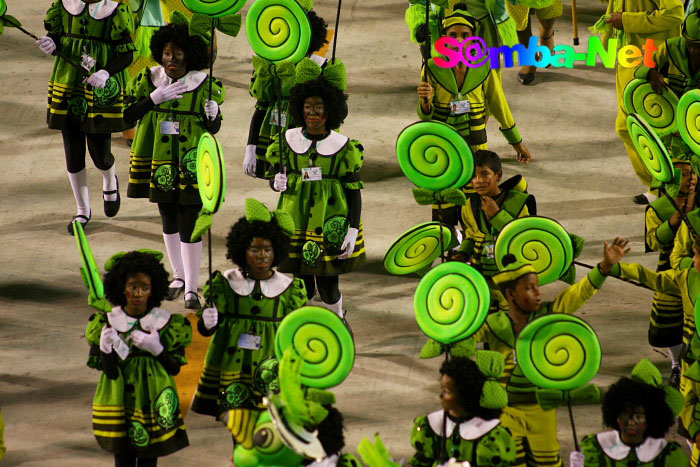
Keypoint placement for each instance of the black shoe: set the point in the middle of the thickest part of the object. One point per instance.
(347, 325)
(192, 303)
(175, 292)
(675, 380)
(112, 207)
(640, 199)
(526, 78)
(80, 217)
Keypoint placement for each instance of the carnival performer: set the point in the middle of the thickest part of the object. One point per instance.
(546, 16)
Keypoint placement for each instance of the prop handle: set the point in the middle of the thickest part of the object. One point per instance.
(279, 122)
(442, 241)
(574, 21)
(211, 82)
(683, 215)
(335, 35)
(27, 32)
(638, 284)
(426, 52)
(573, 426)
(208, 298)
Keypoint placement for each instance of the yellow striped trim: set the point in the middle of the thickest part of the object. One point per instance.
(109, 434)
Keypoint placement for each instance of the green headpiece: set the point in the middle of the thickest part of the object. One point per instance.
(464, 348)
(256, 211)
(691, 27)
(493, 394)
(307, 5)
(111, 262)
(283, 70)
(553, 398)
(647, 373)
(201, 25)
(514, 270)
(334, 73)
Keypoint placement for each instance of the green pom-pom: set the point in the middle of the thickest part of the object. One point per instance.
(423, 196)
(452, 196)
(569, 275)
(464, 348)
(415, 17)
(431, 349)
(577, 244)
(321, 396)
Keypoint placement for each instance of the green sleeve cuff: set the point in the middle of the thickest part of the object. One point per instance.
(686, 263)
(467, 246)
(422, 115)
(666, 233)
(512, 135)
(694, 429)
(501, 218)
(596, 277)
(642, 72)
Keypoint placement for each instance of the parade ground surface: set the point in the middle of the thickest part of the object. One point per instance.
(580, 174)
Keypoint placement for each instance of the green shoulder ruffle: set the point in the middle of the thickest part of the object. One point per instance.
(297, 297)
(351, 165)
(52, 21)
(423, 438)
(176, 336)
(496, 448)
(220, 288)
(591, 451)
(123, 28)
(95, 324)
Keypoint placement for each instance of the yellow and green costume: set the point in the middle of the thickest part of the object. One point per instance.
(690, 414)
(521, 12)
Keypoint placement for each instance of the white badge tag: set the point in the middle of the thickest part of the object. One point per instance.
(122, 349)
(515, 357)
(168, 127)
(87, 61)
(489, 251)
(274, 120)
(249, 341)
(311, 174)
(459, 107)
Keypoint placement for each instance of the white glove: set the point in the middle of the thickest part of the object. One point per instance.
(250, 162)
(576, 459)
(98, 79)
(168, 93)
(149, 342)
(108, 337)
(46, 44)
(454, 463)
(280, 183)
(349, 243)
(210, 316)
(211, 109)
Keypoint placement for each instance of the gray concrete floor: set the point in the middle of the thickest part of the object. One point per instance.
(580, 174)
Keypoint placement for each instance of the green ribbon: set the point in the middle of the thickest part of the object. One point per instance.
(647, 373)
(334, 73)
(283, 70)
(257, 211)
(111, 262)
(201, 25)
(464, 348)
(493, 394)
(553, 398)
(425, 196)
(9, 21)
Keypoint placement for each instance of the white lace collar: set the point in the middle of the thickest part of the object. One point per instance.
(614, 448)
(329, 146)
(473, 428)
(320, 61)
(193, 79)
(330, 461)
(156, 319)
(99, 10)
(271, 288)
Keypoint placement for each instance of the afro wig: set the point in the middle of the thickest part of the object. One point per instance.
(128, 266)
(334, 101)
(330, 431)
(241, 236)
(627, 394)
(469, 382)
(196, 53)
(319, 31)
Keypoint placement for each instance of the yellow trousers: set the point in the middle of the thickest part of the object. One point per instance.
(521, 13)
(535, 433)
(3, 449)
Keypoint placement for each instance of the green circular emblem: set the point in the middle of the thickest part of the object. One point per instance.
(138, 436)
(311, 254)
(188, 165)
(234, 396)
(334, 231)
(265, 377)
(165, 177)
(78, 107)
(108, 95)
(165, 408)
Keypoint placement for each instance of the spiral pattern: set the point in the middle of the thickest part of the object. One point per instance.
(278, 30)
(658, 110)
(92, 273)
(689, 119)
(214, 8)
(321, 338)
(650, 148)
(539, 241)
(434, 156)
(416, 248)
(558, 351)
(211, 172)
(451, 302)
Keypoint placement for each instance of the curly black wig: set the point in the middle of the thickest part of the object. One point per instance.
(128, 266)
(241, 236)
(195, 48)
(627, 394)
(330, 431)
(469, 382)
(319, 31)
(334, 101)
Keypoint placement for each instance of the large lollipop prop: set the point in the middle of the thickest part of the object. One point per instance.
(559, 351)
(416, 249)
(657, 110)
(89, 271)
(688, 114)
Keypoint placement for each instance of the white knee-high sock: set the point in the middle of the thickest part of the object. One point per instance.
(675, 353)
(191, 260)
(78, 181)
(336, 307)
(109, 182)
(172, 246)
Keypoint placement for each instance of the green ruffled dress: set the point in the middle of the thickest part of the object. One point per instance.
(134, 414)
(101, 30)
(233, 376)
(607, 450)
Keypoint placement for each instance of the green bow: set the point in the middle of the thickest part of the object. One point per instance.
(201, 25)
(257, 211)
(9, 21)
(334, 73)
(647, 373)
(424, 196)
(553, 398)
(569, 275)
(464, 348)
(283, 70)
(112, 262)
(492, 364)
(376, 455)
(307, 5)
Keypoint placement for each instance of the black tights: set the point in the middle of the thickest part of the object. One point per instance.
(179, 218)
(327, 287)
(130, 460)
(98, 144)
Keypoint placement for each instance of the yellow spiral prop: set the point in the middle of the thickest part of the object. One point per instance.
(650, 148)
(658, 110)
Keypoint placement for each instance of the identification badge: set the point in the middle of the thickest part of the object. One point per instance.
(515, 357)
(168, 127)
(249, 341)
(122, 349)
(459, 107)
(311, 174)
(87, 61)
(274, 119)
(489, 251)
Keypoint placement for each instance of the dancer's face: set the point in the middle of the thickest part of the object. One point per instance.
(526, 295)
(174, 61)
(693, 50)
(137, 291)
(459, 32)
(259, 255)
(315, 115)
(633, 425)
(485, 181)
(448, 397)
(688, 178)
(696, 258)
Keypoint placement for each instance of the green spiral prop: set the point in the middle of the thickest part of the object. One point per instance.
(558, 351)
(658, 110)
(214, 8)
(91, 272)
(689, 119)
(321, 338)
(434, 155)
(278, 30)
(416, 249)
(451, 302)
(211, 172)
(650, 148)
(539, 241)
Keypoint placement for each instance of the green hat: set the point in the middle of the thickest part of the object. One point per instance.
(257, 211)
(691, 27)
(647, 373)
(512, 269)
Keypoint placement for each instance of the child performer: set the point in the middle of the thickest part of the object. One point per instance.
(86, 103)
(139, 348)
(172, 103)
(250, 301)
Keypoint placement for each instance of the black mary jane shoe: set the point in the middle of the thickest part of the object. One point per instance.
(80, 218)
(192, 303)
(174, 292)
(640, 200)
(112, 207)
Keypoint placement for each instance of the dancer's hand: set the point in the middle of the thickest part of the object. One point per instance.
(576, 459)
(168, 93)
(615, 20)
(522, 153)
(280, 183)
(489, 206)
(425, 92)
(249, 162)
(657, 81)
(348, 243)
(149, 342)
(108, 337)
(46, 44)
(613, 253)
(98, 79)
(211, 109)
(210, 317)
